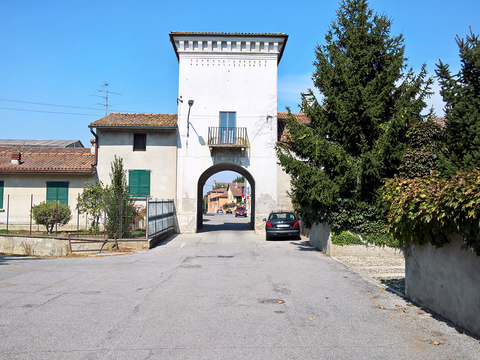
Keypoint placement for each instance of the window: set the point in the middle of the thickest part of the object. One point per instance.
(1, 194)
(139, 182)
(57, 190)
(139, 142)
(227, 127)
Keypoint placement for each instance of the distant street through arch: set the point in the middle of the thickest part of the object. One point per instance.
(213, 170)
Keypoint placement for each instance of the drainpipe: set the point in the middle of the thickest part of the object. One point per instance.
(96, 147)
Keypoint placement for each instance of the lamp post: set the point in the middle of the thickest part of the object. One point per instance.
(190, 103)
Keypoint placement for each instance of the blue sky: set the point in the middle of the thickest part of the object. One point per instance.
(61, 52)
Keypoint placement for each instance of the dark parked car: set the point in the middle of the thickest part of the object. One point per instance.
(229, 211)
(282, 224)
(240, 211)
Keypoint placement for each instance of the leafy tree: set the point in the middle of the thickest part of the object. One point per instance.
(50, 213)
(461, 94)
(92, 202)
(239, 179)
(358, 126)
(219, 186)
(426, 141)
(120, 206)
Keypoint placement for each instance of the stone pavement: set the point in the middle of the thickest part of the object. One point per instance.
(221, 294)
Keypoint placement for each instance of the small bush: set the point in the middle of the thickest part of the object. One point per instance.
(51, 213)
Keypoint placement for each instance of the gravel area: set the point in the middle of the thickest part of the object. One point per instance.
(373, 265)
(360, 261)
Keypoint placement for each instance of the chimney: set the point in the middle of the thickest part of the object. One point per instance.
(16, 158)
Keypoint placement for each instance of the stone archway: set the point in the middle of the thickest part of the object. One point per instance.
(213, 170)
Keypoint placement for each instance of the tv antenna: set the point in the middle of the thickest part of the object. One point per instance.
(105, 97)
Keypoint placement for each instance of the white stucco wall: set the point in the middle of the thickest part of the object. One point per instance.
(283, 187)
(227, 79)
(159, 158)
(20, 188)
(445, 280)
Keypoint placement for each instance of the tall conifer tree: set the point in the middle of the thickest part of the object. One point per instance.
(461, 94)
(357, 134)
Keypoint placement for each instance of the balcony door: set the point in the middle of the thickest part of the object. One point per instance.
(227, 127)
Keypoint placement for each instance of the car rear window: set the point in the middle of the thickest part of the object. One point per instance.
(240, 209)
(282, 216)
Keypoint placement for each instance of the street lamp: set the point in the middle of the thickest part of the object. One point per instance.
(190, 103)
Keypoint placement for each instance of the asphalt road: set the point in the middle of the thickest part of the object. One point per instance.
(224, 293)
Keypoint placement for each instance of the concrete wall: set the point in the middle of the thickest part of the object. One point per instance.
(36, 246)
(283, 186)
(227, 79)
(159, 158)
(320, 238)
(445, 280)
(21, 187)
(50, 246)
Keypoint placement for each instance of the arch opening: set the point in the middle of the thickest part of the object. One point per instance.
(218, 168)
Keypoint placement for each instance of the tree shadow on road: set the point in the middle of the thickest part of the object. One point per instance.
(304, 246)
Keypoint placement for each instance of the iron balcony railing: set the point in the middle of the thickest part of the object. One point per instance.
(227, 137)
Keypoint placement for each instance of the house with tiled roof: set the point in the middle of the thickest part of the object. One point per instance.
(31, 172)
(235, 193)
(147, 143)
(217, 199)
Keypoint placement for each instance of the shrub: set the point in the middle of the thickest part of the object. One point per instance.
(51, 213)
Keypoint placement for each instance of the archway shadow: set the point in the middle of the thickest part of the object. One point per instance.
(226, 226)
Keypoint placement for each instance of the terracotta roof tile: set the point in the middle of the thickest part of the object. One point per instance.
(40, 159)
(136, 120)
(237, 190)
(281, 116)
(300, 117)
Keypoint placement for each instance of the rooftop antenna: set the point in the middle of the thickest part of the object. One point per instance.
(105, 97)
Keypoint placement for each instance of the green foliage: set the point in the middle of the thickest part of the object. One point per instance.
(432, 209)
(461, 94)
(346, 238)
(51, 213)
(121, 208)
(219, 186)
(239, 179)
(425, 140)
(92, 202)
(358, 128)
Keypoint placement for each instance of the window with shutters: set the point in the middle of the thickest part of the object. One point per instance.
(139, 182)
(57, 190)
(139, 142)
(1, 194)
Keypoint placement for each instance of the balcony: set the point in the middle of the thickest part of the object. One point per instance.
(227, 137)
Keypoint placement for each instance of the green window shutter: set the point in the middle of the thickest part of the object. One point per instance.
(59, 188)
(1, 194)
(139, 182)
(145, 182)
(133, 182)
